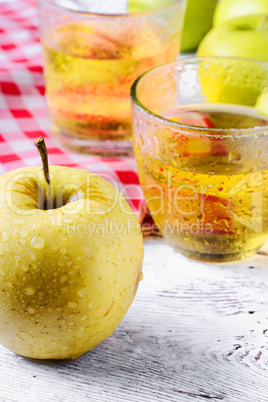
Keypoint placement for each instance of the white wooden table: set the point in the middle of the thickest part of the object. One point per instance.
(195, 332)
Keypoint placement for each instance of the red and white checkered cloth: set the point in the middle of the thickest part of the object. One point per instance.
(23, 111)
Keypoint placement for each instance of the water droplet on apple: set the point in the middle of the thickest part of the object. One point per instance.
(108, 243)
(38, 242)
(72, 304)
(30, 310)
(82, 329)
(32, 256)
(62, 251)
(78, 258)
(5, 236)
(84, 318)
(90, 304)
(82, 292)
(24, 233)
(2, 272)
(20, 221)
(124, 302)
(85, 250)
(118, 255)
(62, 322)
(63, 278)
(29, 290)
(37, 225)
(17, 260)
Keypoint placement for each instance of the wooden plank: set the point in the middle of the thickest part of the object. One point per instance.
(195, 332)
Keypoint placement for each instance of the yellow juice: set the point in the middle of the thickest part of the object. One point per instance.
(89, 72)
(209, 202)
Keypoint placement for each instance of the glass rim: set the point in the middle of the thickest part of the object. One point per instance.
(116, 15)
(206, 131)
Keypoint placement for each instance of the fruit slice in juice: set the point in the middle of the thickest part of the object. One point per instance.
(194, 144)
(210, 211)
(211, 115)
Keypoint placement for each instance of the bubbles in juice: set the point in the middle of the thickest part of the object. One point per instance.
(210, 196)
(89, 72)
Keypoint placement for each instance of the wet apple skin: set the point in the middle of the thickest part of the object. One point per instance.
(67, 275)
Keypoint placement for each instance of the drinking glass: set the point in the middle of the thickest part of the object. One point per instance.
(93, 52)
(200, 133)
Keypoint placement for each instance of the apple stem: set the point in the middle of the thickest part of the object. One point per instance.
(263, 23)
(42, 149)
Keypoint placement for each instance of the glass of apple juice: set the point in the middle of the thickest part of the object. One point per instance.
(93, 51)
(200, 129)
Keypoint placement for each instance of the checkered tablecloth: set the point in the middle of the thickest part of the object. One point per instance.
(23, 111)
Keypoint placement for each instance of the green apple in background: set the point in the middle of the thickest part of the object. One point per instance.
(71, 260)
(240, 37)
(197, 22)
(228, 9)
(137, 6)
(262, 103)
(232, 80)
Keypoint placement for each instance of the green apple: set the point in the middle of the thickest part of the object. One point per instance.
(71, 258)
(229, 9)
(241, 37)
(197, 22)
(137, 6)
(232, 80)
(262, 103)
